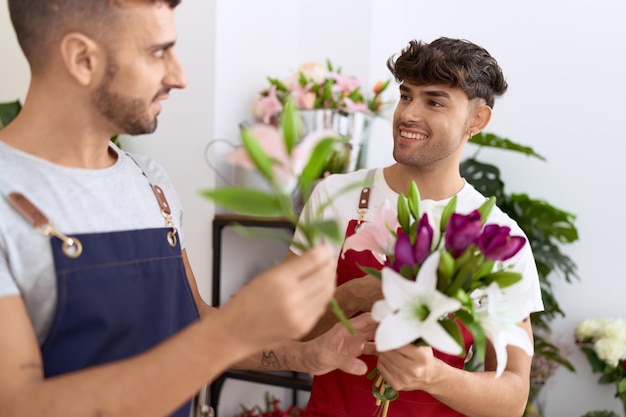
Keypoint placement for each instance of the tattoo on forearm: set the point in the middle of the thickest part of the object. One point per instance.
(270, 360)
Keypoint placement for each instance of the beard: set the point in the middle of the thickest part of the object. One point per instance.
(127, 114)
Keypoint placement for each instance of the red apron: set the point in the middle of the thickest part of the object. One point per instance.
(340, 394)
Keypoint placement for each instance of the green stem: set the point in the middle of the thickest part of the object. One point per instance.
(334, 306)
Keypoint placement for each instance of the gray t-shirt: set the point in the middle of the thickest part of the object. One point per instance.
(75, 201)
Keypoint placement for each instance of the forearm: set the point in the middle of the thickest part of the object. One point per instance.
(282, 358)
(139, 386)
(480, 394)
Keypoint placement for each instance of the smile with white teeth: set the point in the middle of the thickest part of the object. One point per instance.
(410, 135)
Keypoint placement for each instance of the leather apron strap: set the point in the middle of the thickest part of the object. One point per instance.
(122, 294)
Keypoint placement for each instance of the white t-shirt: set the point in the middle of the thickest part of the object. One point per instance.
(75, 201)
(525, 294)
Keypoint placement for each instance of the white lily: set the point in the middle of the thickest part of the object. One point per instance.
(411, 310)
(501, 328)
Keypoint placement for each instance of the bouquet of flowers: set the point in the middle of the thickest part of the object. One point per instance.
(603, 341)
(431, 285)
(272, 409)
(315, 86)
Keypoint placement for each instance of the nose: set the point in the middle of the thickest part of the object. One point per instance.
(175, 77)
(410, 112)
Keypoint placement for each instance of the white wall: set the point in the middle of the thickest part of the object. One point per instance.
(564, 61)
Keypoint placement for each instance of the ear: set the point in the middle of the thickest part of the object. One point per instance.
(83, 57)
(479, 118)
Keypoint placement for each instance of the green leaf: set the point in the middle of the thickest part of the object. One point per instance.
(597, 365)
(493, 141)
(280, 86)
(371, 271)
(317, 161)
(445, 270)
(326, 228)
(247, 201)
(621, 386)
(453, 330)
(483, 270)
(486, 208)
(484, 177)
(291, 124)
(8, 112)
(448, 210)
(256, 153)
(480, 340)
(503, 278)
(262, 232)
(463, 276)
(413, 197)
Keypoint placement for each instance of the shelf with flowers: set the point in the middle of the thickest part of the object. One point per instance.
(326, 98)
(603, 341)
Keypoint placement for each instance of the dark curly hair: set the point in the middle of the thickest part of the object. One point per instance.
(40, 23)
(454, 62)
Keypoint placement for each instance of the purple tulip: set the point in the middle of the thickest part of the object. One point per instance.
(424, 239)
(461, 231)
(403, 253)
(496, 243)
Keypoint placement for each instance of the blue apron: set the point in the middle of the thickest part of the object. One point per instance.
(118, 294)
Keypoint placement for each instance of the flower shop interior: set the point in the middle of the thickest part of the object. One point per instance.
(564, 65)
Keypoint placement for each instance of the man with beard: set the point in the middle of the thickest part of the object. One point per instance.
(99, 309)
(447, 90)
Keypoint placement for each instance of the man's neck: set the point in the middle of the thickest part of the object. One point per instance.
(432, 184)
(61, 139)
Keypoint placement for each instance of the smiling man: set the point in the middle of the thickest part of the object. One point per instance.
(447, 90)
(99, 308)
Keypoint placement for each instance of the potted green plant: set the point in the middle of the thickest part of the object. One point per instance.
(547, 228)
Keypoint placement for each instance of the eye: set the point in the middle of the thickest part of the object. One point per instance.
(435, 103)
(159, 53)
(404, 97)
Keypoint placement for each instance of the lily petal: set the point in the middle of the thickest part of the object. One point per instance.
(416, 307)
(501, 329)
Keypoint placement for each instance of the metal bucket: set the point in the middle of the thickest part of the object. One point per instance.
(356, 127)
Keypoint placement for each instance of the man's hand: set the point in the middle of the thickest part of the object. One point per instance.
(338, 349)
(283, 302)
(355, 296)
(409, 367)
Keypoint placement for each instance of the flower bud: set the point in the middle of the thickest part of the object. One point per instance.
(461, 231)
(496, 243)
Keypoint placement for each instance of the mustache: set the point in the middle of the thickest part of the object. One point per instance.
(162, 92)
